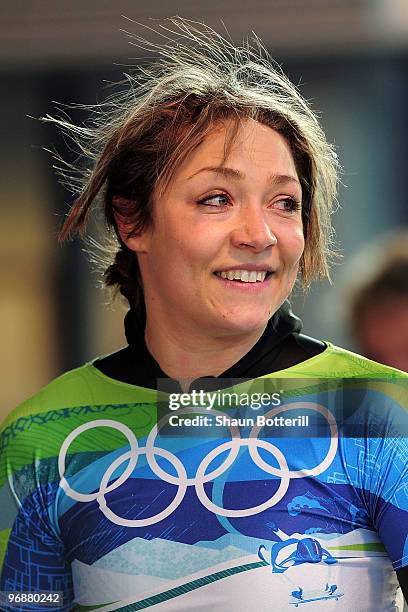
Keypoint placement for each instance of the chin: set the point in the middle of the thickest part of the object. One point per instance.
(239, 324)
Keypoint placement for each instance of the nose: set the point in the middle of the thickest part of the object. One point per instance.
(252, 231)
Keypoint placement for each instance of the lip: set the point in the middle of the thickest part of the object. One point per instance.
(247, 266)
(256, 287)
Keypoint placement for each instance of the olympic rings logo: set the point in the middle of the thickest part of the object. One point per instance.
(181, 480)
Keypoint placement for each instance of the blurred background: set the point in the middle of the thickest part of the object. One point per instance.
(350, 58)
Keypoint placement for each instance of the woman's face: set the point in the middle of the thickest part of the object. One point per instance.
(215, 223)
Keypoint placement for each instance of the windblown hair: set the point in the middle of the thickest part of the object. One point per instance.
(138, 139)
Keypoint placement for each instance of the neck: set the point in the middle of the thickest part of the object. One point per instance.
(185, 357)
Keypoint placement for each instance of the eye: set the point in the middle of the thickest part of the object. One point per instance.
(288, 204)
(218, 200)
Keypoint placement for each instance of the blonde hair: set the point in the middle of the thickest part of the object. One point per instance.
(140, 137)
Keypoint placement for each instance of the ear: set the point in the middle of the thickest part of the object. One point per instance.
(121, 212)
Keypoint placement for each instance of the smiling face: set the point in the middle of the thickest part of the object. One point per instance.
(215, 223)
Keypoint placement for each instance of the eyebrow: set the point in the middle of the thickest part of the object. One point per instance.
(274, 179)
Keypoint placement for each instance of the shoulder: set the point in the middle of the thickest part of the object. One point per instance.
(36, 429)
(67, 390)
(81, 390)
(335, 361)
(374, 383)
(30, 431)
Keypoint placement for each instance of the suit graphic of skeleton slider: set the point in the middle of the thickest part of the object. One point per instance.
(293, 551)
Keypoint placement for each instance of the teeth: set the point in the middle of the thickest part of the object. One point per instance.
(245, 276)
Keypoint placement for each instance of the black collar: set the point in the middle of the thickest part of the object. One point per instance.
(280, 346)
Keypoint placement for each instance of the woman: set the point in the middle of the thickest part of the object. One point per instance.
(217, 183)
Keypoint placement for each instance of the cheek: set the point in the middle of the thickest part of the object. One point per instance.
(187, 255)
(292, 247)
(200, 247)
